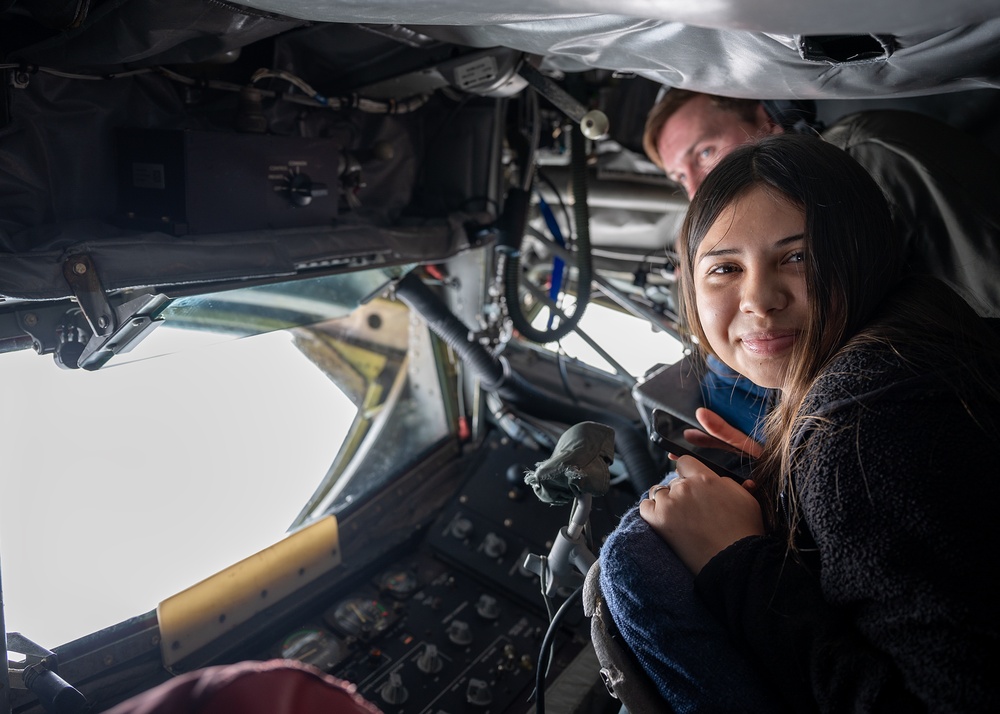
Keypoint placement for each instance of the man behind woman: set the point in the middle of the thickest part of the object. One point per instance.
(850, 573)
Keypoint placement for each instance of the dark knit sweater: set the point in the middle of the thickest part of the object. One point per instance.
(895, 610)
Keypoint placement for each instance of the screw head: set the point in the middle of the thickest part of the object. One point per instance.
(80, 268)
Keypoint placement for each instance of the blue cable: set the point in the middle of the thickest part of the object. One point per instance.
(557, 263)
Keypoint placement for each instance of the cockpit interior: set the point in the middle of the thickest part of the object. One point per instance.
(294, 295)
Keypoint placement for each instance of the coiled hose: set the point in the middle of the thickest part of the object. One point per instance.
(630, 436)
(514, 227)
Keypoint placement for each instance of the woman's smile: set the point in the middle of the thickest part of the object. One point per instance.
(750, 285)
(768, 343)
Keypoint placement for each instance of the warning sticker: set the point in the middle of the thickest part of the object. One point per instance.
(148, 176)
(479, 71)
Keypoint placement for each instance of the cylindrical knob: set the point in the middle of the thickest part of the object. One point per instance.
(461, 528)
(515, 475)
(302, 190)
(479, 693)
(459, 632)
(594, 124)
(430, 660)
(487, 607)
(494, 546)
(393, 691)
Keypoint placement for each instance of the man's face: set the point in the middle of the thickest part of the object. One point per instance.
(699, 134)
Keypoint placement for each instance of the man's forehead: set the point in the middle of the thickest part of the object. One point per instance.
(684, 128)
(696, 120)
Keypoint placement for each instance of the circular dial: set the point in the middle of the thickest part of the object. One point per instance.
(361, 617)
(313, 646)
(399, 583)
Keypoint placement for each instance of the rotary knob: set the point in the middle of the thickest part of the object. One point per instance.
(430, 660)
(461, 528)
(494, 546)
(487, 607)
(478, 692)
(302, 190)
(459, 632)
(393, 691)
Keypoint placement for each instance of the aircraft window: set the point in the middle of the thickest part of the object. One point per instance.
(629, 340)
(128, 484)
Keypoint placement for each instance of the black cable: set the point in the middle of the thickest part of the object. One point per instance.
(562, 203)
(546, 646)
(514, 228)
(569, 239)
(563, 374)
(631, 441)
(536, 132)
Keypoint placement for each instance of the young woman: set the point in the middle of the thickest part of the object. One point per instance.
(854, 572)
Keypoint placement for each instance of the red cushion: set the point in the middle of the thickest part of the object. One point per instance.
(272, 687)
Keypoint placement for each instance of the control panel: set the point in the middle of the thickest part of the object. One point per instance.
(197, 182)
(429, 640)
(457, 624)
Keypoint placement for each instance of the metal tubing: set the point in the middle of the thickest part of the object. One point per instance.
(547, 301)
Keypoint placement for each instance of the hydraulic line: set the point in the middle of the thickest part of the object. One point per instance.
(514, 224)
(496, 376)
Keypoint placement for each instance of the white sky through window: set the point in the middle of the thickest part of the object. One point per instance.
(630, 341)
(123, 486)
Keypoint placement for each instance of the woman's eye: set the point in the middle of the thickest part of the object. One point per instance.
(706, 153)
(797, 257)
(722, 269)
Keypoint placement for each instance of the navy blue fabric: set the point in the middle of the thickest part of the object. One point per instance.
(684, 649)
(733, 397)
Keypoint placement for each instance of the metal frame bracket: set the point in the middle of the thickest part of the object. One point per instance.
(81, 275)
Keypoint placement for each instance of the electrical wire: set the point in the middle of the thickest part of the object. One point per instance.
(536, 134)
(559, 268)
(545, 651)
(563, 374)
(33, 69)
(312, 98)
(559, 197)
(292, 79)
(558, 264)
(511, 274)
(543, 579)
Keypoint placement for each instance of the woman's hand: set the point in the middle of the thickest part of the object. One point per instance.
(719, 434)
(701, 513)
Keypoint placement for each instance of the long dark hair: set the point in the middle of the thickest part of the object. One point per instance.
(853, 264)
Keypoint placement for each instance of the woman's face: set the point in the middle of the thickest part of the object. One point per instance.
(750, 285)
